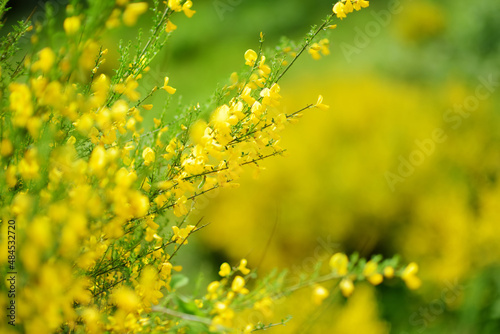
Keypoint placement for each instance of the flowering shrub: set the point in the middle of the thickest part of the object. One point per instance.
(95, 203)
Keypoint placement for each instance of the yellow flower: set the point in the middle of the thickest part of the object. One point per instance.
(186, 8)
(361, 4)
(371, 274)
(180, 208)
(10, 176)
(250, 57)
(132, 12)
(248, 329)
(319, 294)
(149, 286)
(409, 275)
(180, 235)
(348, 7)
(339, 262)
(46, 59)
(125, 299)
(148, 155)
(271, 96)
(128, 88)
(346, 286)
(314, 51)
(114, 19)
(243, 267)
(265, 305)
(97, 159)
(319, 104)
(370, 268)
(175, 5)
(20, 103)
(238, 285)
(197, 132)
(28, 166)
(225, 269)
(264, 69)
(339, 10)
(245, 95)
(72, 25)
(168, 88)
(170, 27)
(6, 147)
(212, 289)
(324, 44)
(389, 272)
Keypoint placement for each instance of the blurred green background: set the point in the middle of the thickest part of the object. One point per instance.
(398, 72)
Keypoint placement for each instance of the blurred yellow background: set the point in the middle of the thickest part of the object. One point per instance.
(406, 161)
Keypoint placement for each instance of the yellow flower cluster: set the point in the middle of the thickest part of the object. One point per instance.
(319, 48)
(372, 271)
(92, 254)
(344, 7)
(93, 192)
(222, 294)
(86, 185)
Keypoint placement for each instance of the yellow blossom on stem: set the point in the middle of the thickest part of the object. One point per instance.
(125, 299)
(348, 7)
(114, 19)
(175, 5)
(319, 104)
(346, 287)
(168, 88)
(6, 147)
(338, 9)
(361, 4)
(128, 88)
(180, 208)
(10, 176)
(133, 11)
(338, 263)
(319, 294)
(20, 103)
(28, 166)
(389, 272)
(325, 43)
(186, 8)
(181, 234)
(97, 159)
(264, 70)
(371, 274)
(321, 47)
(148, 155)
(225, 269)
(72, 25)
(409, 275)
(314, 51)
(238, 285)
(243, 267)
(250, 57)
(46, 60)
(170, 27)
